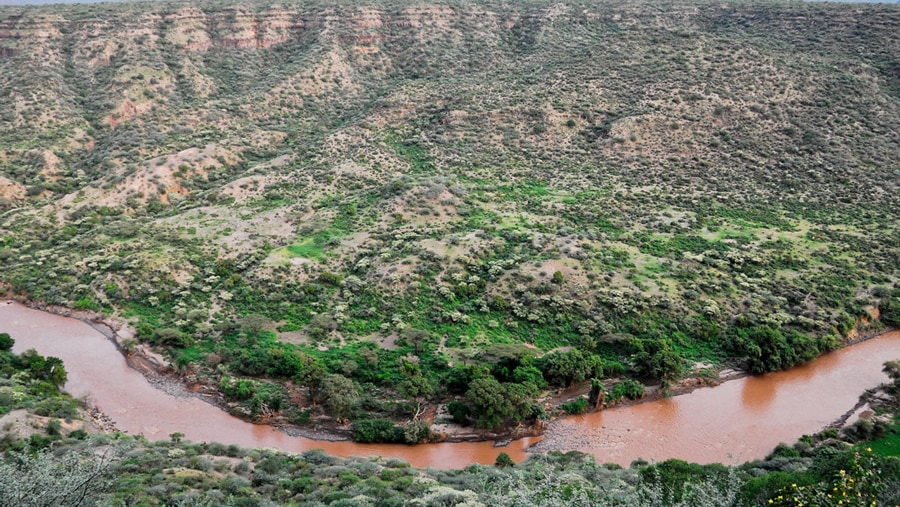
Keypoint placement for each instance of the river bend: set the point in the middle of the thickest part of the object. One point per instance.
(739, 420)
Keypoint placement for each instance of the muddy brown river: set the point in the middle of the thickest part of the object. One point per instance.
(737, 421)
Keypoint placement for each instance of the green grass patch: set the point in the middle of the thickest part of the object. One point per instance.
(414, 153)
(306, 248)
(754, 217)
(889, 444)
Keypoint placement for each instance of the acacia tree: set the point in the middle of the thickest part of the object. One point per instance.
(414, 337)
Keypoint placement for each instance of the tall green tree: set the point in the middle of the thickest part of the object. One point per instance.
(490, 399)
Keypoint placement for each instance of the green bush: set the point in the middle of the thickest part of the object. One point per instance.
(78, 434)
(6, 343)
(238, 390)
(769, 349)
(54, 427)
(784, 451)
(890, 312)
(565, 368)
(459, 411)
(575, 406)
(628, 388)
(503, 460)
(171, 337)
(61, 407)
(377, 431)
(416, 432)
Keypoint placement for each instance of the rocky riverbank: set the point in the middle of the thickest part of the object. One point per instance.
(186, 383)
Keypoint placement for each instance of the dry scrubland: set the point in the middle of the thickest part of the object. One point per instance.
(362, 209)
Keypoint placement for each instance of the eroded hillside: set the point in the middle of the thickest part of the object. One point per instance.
(386, 191)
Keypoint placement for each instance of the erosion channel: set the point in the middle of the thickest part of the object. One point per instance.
(736, 421)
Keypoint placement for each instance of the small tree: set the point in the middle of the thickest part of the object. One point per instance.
(503, 460)
(565, 368)
(459, 411)
(171, 337)
(490, 399)
(49, 369)
(55, 373)
(415, 385)
(558, 277)
(658, 359)
(892, 369)
(597, 396)
(311, 375)
(414, 337)
(252, 324)
(338, 394)
(6, 343)
(416, 432)
(890, 311)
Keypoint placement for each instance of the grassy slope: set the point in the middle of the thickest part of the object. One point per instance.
(347, 172)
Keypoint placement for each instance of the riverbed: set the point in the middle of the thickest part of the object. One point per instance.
(736, 421)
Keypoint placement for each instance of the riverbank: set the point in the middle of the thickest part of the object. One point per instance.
(161, 375)
(739, 420)
(704, 375)
(157, 373)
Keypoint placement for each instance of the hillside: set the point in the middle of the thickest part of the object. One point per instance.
(317, 204)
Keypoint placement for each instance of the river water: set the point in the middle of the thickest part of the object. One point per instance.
(737, 421)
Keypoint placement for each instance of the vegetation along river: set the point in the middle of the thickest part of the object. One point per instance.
(737, 421)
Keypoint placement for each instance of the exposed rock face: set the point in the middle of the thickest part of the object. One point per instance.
(10, 190)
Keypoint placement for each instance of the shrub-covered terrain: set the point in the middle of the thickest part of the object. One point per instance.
(61, 467)
(31, 382)
(364, 207)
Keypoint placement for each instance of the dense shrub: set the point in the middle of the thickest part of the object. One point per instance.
(768, 349)
(459, 411)
(377, 431)
(565, 368)
(628, 388)
(6, 343)
(575, 406)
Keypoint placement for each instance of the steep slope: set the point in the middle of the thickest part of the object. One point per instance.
(393, 188)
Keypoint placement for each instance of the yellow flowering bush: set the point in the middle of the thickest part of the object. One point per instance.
(857, 486)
